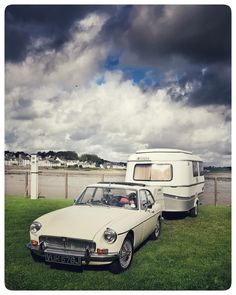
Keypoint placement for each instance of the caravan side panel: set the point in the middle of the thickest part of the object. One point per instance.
(181, 190)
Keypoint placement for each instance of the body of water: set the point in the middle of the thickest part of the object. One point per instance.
(52, 185)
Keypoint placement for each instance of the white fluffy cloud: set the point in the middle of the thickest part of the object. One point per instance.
(53, 102)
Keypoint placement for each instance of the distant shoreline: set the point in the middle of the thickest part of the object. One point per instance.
(85, 171)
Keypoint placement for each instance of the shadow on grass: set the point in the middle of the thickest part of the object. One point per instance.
(175, 215)
(79, 269)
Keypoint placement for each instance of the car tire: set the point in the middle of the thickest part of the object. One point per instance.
(157, 231)
(125, 256)
(194, 211)
(36, 257)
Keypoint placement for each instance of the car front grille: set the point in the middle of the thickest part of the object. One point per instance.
(67, 243)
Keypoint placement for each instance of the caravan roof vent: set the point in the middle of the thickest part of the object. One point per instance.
(163, 151)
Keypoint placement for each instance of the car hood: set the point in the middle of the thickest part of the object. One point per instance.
(82, 222)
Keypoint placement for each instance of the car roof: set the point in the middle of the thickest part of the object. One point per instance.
(124, 185)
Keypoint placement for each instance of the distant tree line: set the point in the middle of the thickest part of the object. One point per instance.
(92, 158)
(218, 169)
(66, 155)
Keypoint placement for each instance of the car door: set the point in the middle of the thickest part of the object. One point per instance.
(148, 212)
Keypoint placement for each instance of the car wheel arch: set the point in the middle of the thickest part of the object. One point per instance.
(130, 234)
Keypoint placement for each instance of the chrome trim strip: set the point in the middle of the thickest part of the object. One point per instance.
(178, 197)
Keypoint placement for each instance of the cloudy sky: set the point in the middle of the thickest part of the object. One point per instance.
(113, 79)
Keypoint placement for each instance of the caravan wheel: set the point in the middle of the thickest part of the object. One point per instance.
(156, 233)
(194, 211)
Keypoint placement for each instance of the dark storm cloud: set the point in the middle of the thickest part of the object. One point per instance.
(27, 22)
(182, 39)
(200, 33)
(118, 23)
(212, 85)
(215, 88)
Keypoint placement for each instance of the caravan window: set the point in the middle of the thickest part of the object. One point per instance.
(201, 168)
(153, 172)
(195, 169)
(142, 172)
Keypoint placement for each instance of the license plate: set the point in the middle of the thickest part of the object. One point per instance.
(62, 259)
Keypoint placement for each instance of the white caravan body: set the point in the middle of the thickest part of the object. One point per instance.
(178, 172)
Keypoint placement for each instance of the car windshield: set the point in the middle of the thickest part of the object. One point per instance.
(108, 196)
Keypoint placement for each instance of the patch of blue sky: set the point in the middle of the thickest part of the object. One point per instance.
(112, 62)
(147, 75)
(100, 80)
(138, 75)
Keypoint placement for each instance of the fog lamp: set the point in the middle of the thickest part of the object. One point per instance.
(102, 251)
(34, 243)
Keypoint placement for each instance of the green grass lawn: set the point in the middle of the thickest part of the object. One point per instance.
(191, 254)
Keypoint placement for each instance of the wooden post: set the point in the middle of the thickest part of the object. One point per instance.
(215, 182)
(66, 185)
(34, 176)
(26, 184)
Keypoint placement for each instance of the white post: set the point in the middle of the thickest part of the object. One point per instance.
(34, 177)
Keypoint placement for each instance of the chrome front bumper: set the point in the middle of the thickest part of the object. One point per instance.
(86, 256)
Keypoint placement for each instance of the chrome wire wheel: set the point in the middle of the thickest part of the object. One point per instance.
(126, 254)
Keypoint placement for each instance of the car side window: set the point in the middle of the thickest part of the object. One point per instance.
(88, 194)
(143, 199)
(146, 199)
(98, 195)
(150, 198)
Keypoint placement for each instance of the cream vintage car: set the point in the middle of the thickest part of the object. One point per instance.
(104, 226)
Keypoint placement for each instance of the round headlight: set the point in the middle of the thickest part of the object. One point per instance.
(110, 235)
(35, 226)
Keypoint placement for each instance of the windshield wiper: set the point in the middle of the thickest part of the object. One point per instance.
(98, 203)
(103, 204)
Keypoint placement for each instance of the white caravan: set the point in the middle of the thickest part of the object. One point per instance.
(178, 172)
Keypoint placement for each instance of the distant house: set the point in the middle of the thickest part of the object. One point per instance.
(72, 163)
(86, 164)
(21, 160)
(11, 162)
(121, 167)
